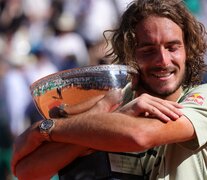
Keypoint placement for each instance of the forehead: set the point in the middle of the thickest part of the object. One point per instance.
(158, 29)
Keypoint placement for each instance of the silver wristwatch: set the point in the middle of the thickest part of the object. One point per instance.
(46, 127)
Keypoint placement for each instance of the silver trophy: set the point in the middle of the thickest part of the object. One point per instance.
(60, 93)
(66, 92)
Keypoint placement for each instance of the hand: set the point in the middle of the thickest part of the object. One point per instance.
(150, 106)
(25, 144)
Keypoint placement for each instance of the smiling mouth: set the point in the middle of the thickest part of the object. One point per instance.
(162, 75)
(159, 72)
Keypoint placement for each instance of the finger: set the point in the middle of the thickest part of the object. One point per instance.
(166, 109)
(155, 108)
(164, 102)
(149, 108)
(154, 112)
(175, 104)
(170, 103)
(172, 107)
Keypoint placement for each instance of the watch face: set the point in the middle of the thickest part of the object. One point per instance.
(46, 124)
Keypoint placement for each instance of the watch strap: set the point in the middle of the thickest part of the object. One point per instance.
(46, 127)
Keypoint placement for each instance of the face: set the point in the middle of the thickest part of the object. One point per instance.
(160, 55)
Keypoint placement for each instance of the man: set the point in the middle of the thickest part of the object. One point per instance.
(165, 42)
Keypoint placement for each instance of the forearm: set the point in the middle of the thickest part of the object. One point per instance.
(119, 132)
(47, 160)
(102, 131)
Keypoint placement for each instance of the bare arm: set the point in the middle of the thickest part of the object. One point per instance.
(100, 129)
(47, 160)
(119, 132)
(124, 131)
(30, 162)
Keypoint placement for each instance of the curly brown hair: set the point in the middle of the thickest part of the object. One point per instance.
(123, 40)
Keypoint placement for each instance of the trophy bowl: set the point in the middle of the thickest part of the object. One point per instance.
(55, 94)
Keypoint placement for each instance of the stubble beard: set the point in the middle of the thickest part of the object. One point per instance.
(155, 92)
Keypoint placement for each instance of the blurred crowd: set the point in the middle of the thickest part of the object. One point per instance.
(41, 37)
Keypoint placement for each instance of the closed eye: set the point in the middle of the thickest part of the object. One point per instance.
(173, 46)
(147, 50)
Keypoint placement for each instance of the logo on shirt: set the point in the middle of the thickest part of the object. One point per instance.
(195, 98)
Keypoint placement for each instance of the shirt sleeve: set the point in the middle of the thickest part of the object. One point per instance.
(195, 109)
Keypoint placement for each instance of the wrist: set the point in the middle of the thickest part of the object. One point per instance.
(45, 128)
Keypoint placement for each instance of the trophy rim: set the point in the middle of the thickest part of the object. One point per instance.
(80, 71)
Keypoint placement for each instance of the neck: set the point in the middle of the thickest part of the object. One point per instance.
(175, 95)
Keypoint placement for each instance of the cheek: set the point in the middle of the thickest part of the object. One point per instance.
(180, 58)
(146, 62)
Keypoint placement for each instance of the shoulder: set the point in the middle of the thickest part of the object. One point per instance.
(197, 94)
(201, 87)
(194, 102)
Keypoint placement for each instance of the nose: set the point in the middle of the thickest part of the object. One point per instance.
(163, 57)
